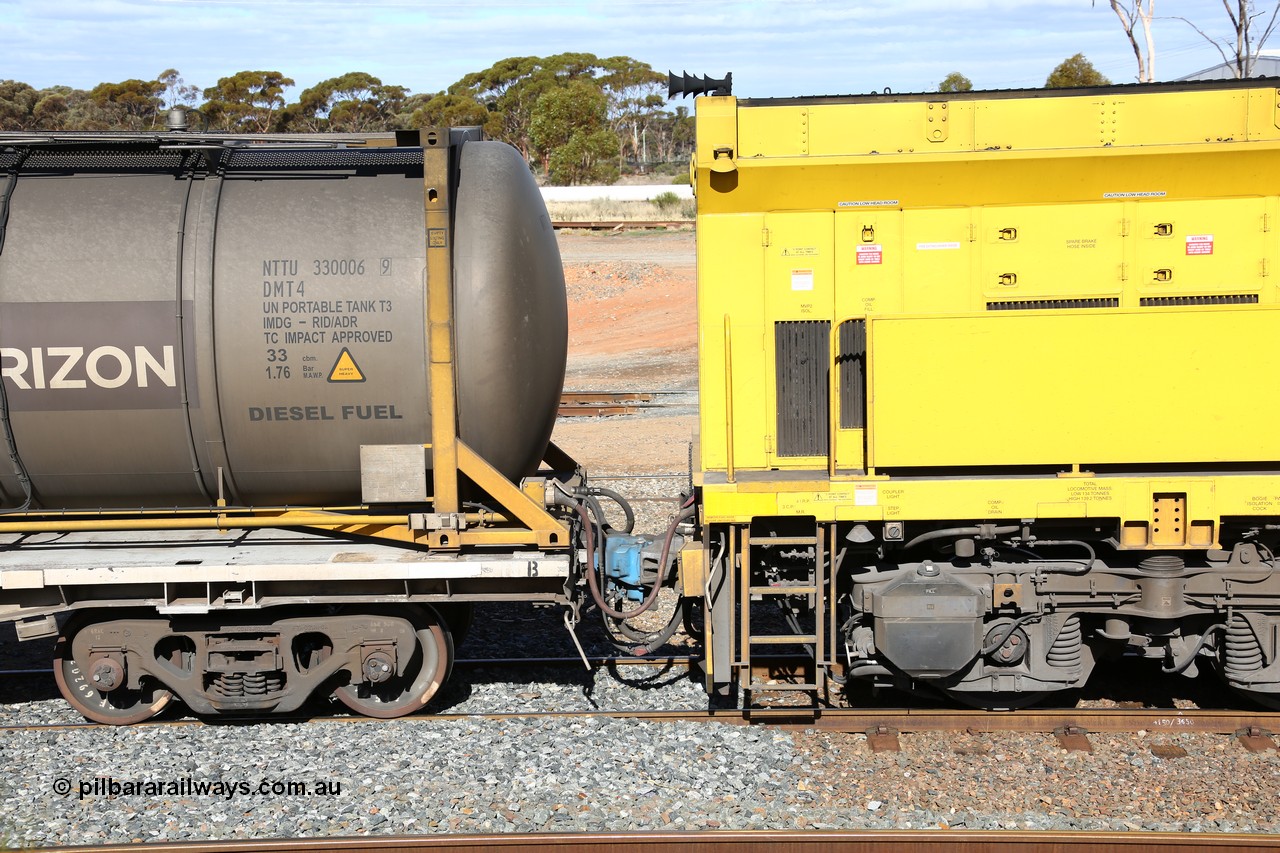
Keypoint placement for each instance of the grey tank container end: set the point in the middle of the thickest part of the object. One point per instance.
(159, 322)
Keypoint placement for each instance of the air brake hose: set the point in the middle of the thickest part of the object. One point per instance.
(643, 643)
(627, 512)
(686, 511)
(986, 531)
(1093, 555)
(1178, 667)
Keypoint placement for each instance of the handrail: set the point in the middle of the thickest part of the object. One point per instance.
(728, 400)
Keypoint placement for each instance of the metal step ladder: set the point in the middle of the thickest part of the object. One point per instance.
(817, 644)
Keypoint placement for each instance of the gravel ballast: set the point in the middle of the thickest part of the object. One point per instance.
(420, 776)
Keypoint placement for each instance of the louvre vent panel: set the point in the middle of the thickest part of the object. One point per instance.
(1215, 299)
(853, 374)
(1047, 304)
(801, 348)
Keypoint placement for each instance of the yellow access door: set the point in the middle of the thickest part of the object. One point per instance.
(1201, 247)
(1036, 253)
(799, 297)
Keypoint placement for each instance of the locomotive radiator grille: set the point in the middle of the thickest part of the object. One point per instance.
(801, 350)
(1052, 304)
(1214, 299)
(853, 374)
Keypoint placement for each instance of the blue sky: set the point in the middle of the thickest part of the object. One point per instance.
(775, 48)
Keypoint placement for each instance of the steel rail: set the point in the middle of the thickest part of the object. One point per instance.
(761, 841)
(479, 663)
(603, 403)
(844, 720)
(669, 476)
(620, 224)
(1078, 720)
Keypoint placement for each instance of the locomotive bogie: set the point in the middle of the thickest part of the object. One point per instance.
(118, 668)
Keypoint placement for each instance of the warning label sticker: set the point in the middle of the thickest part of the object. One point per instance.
(865, 496)
(870, 253)
(345, 368)
(802, 279)
(1199, 244)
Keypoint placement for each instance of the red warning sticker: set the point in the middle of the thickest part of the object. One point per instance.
(1199, 244)
(870, 253)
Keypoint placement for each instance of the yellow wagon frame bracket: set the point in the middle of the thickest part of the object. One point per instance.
(450, 455)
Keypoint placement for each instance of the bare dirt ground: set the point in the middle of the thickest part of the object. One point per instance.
(632, 327)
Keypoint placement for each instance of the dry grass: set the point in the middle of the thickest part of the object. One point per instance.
(604, 209)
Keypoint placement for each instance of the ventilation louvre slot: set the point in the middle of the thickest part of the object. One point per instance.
(1049, 304)
(801, 350)
(1215, 299)
(853, 374)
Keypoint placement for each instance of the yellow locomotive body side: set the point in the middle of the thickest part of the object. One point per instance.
(1067, 303)
(985, 386)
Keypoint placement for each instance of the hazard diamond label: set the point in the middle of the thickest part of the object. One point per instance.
(345, 368)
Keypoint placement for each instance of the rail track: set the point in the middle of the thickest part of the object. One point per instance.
(866, 841)
(1069, 728)
(607, 403)
(622, 224)
(1255, 731)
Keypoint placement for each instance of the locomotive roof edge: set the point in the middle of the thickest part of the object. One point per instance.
(1001, 94)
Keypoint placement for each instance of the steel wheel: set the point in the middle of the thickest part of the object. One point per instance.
(120, 706)
(427, 669)
(458, 616)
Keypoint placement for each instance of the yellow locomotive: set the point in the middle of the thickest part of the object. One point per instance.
(983, 384)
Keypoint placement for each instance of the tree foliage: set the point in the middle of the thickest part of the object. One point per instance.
(132, 104)
(246, 102)
(570, 135)
(447, 109)
(510, 88)
(56, 108)
(1075, 71)
(955, 82)
(576, 117)
(17, 104)
(634, 92)
(352, 103)
(509, 92)
(176, 91)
